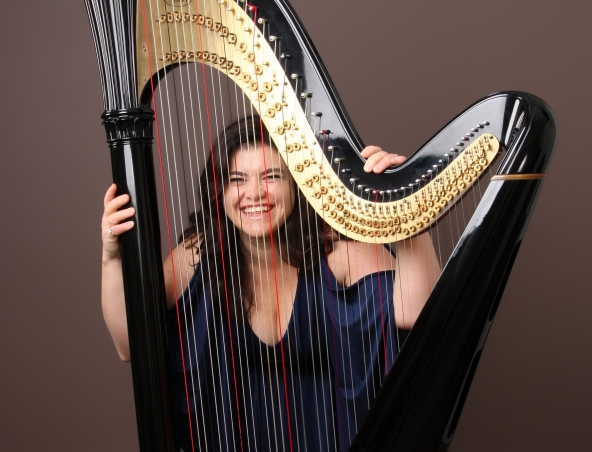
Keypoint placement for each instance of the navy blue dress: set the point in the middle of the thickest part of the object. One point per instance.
(309, 392)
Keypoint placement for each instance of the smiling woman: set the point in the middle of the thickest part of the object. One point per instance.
(315, 320)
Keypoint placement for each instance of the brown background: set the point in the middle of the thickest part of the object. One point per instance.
(403, 69)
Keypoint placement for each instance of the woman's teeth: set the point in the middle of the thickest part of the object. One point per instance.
(261, 209)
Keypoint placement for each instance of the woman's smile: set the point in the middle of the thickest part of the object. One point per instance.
(256, 211)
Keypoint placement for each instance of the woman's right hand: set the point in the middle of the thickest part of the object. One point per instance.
(114, 222)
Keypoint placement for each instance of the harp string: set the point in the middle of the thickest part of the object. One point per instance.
(186, 271)
(369, 252)
(288, 301)
(217, 96)
(394, 341)
(335, 364)
(182, 271)
(166, 84)
(336, 374)
(248, 145)
(263, 350)
(376, 275)
(380, 302)
(374, 254)
(280, 333)
(376, 371)
(212, 157)
(165, 201)
(264, 346)
(241, 144)
(347, 332)
(224, 271)
(349, 356)
(236, 245)
(321, 302)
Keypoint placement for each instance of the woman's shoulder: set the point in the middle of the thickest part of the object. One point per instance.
(350, 261)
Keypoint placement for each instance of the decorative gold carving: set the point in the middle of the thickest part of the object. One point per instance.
(227, 31)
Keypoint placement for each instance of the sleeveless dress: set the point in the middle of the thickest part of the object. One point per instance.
(309, 392)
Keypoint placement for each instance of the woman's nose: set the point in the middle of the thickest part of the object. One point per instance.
(255, 189)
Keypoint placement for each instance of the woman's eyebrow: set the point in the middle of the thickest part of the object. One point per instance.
(272, 170)
(236, 173)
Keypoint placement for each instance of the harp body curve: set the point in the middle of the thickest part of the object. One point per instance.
(420, 402)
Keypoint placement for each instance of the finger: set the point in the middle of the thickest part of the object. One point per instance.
(370, 150)
(116, 203)
(373, 160)
(118, 229)
(110, 197)
(387, 161)
(110, 194)
(120, 216)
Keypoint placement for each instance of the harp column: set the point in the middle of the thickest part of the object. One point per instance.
(128, 125)
(129, 134)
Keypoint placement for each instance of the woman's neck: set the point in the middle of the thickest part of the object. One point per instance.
(262, 253)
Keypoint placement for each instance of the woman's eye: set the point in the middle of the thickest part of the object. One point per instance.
(236, 180)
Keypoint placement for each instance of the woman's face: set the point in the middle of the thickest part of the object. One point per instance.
(259, 196)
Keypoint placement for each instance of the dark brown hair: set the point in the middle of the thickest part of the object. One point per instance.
(303, 239)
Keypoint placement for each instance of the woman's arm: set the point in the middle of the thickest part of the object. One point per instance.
(416, 271)
(114, 223)
(178, 269)
(416, 274)
(416, 264)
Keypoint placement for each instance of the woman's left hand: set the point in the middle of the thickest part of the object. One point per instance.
(377, 160)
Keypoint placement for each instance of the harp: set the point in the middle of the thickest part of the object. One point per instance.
(263, 49)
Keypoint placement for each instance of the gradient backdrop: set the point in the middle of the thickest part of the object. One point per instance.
(403, 70)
